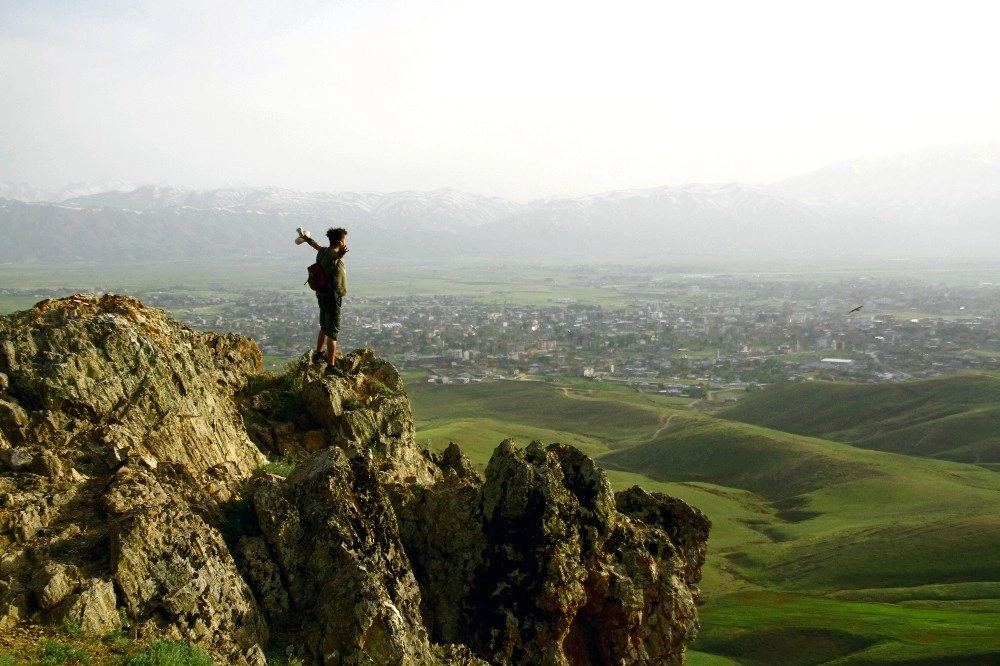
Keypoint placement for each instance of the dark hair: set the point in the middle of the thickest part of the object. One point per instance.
(335, 234)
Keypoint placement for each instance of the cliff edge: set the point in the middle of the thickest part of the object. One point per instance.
(138, 488)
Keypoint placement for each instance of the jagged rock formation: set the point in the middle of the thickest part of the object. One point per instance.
(131, 467)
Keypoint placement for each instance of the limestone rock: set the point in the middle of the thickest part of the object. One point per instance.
(94, 609)
(254, 558)
(335, 538)
(175, 573)
(686, 526)
(53, 583)
(366, 410)
(441, 526)
(119, 432)
(25, 508)
(565, 578)
(535, 564)
(83, 364)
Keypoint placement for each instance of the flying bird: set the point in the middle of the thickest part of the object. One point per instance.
(857, 309)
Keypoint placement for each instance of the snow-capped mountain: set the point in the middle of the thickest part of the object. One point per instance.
(936, 201)
(437, 207)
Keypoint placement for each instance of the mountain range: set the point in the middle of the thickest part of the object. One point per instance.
(939, 202)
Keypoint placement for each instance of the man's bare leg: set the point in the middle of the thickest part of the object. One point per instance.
(319, 342)
(331, 350)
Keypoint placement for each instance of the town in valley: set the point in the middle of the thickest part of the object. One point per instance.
(681, 334)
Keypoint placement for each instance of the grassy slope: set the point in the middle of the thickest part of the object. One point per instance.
(607, 419)
(820, 551)
(953, 418)
(845, 517)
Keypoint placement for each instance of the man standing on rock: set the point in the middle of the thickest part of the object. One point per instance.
(331, 296)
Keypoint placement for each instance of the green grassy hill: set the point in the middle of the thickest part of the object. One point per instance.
(821, 552)
(608, 419)
(769, 463)
(952, 418)
(843, 517)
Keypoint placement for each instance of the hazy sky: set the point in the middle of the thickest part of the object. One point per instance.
(519, 98)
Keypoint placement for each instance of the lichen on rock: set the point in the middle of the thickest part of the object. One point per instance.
(96, 372)
(134, 485)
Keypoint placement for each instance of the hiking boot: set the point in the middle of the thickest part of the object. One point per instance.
(333, 371)
(318, 356)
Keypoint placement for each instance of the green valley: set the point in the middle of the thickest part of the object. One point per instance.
(824, 549)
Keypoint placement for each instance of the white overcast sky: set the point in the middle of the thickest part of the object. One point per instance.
(514, 98)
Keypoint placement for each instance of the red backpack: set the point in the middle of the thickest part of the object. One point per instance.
(317, 279)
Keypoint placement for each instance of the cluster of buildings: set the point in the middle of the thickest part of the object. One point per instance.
(655, 342)
(715, 329)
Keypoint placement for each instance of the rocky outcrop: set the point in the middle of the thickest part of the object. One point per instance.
(333, 533)
(136, 489)
(110, 377)
(173, 571)
(122, 442)
(565, 577)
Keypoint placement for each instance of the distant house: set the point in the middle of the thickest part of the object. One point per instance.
(836, 363)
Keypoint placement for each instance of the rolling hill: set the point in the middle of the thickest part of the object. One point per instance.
(821, 551)
(952, 418)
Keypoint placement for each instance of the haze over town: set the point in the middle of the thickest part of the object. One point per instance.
(519, 100)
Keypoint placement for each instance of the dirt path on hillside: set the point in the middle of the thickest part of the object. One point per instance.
(568, 391)
(665, 423)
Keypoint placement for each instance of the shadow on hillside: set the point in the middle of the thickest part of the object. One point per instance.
(793, 646)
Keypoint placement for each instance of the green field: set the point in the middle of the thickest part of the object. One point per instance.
(503, 282)
(822, 551)
(952, 418)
